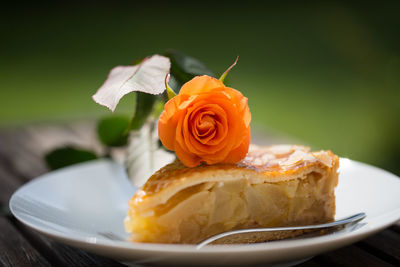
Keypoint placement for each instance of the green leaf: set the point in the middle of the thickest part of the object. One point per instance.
(113, 130)
(5, 210)
(144, 107)
(158, 107)
(223, 76)
(184, 68)
(65, 156)
(170, 91)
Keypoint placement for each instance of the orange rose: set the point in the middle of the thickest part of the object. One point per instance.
(206, 122)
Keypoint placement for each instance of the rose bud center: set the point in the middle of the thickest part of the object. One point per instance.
(209, 127)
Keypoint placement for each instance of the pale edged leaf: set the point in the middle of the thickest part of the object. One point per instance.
(145, 155)
(68, 155)
(147, 77)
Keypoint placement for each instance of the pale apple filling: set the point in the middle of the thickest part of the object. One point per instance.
(209, 208)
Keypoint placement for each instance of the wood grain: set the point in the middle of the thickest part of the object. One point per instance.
(385, 245)
(21, 159)
(350, 256)
(15, 250)
(62, 255)
(8, 184)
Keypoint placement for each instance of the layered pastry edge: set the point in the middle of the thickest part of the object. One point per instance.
(279, 166)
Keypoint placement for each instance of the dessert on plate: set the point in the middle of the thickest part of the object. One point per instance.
(217, 183)
(280, 185)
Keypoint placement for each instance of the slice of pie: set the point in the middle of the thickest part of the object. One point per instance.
(280, 185)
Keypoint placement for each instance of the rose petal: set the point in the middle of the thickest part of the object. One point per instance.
(240, 152)
(214, 151)
(211, 123)
(200, 84)
(203, 125)
(187, 158)
(147, 77)
(191, 141)
(167, 124)
(219, 124)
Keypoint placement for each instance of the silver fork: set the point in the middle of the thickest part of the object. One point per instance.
(353, 219)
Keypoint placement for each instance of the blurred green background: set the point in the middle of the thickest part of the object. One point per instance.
(326, 73)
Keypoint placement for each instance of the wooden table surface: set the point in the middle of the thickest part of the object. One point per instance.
(21, 159)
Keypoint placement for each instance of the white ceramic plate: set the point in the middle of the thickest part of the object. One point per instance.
(84, 206)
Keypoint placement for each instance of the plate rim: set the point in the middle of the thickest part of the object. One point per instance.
(343, 237)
